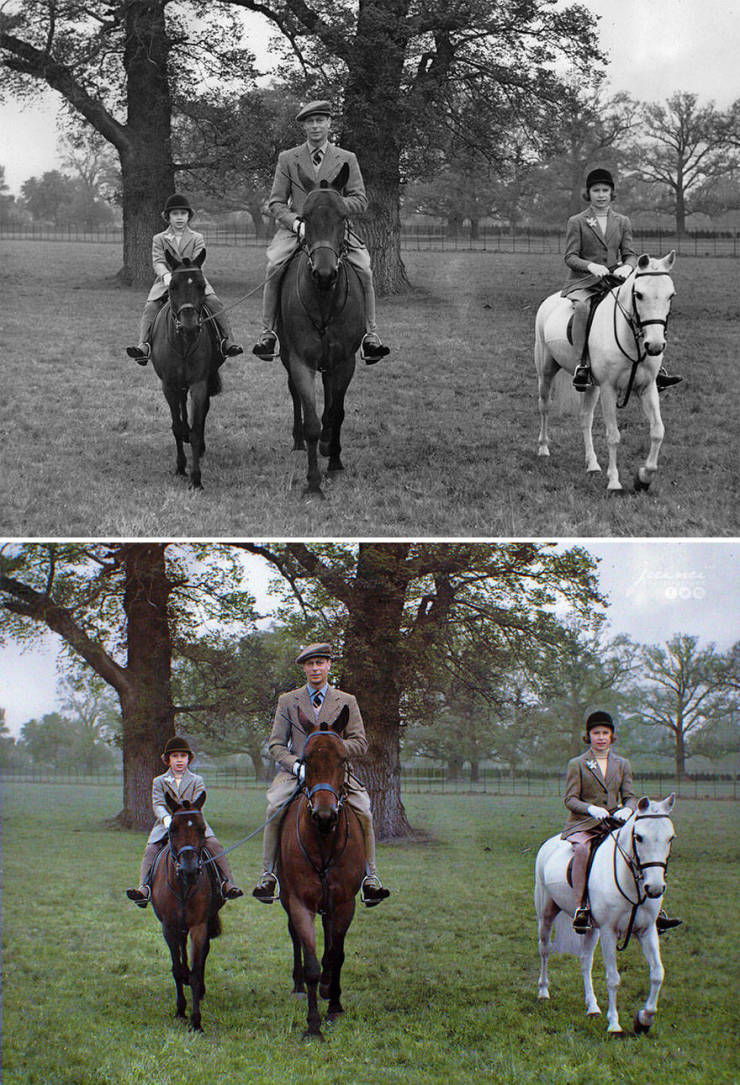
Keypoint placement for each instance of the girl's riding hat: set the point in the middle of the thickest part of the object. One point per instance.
(177, 745)
(599, 177)
(598, 717)
(177, 203)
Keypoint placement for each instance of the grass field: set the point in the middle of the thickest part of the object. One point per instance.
(439, 982)
(439, 440)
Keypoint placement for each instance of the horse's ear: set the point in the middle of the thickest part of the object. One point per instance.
(341, 178)
(198, 803)
(643, 804)
(643, 262)
(308, 184)
(669, 803)
(669, 260)
(305, 722)
(171, 261)
(172, 804)
(200, 258)
(341, 721)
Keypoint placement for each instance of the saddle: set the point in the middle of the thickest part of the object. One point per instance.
(600, 833)
(599, 291)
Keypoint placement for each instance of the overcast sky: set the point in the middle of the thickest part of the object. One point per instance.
(655, 589)
(656, 47)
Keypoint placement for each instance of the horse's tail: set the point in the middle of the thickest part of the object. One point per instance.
(565, 400)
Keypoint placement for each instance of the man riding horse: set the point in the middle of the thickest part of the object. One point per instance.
(318, 158)
(316, 701)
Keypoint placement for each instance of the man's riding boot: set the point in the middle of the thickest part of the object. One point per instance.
(265, 346)
(140, 353)
(265, 889)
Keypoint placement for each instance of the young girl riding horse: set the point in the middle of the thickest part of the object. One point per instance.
(181, 784)
(181, 242)
(598, 785)
(598, 243)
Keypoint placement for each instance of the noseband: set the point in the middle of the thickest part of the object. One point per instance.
(636, 325)
(339, 796)
(644, 323)
(636, 868)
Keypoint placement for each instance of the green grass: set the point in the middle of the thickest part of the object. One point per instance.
(439, 440)
(439, 982)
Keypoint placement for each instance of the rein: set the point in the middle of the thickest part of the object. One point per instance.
(212, 859)
(334, 856)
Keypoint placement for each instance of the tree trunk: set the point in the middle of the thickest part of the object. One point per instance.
(147, 712)
(372, 653)
(680, 754)
(372, 113)
(147, 171)
(474, 772)
(680, 207)
(454, 767)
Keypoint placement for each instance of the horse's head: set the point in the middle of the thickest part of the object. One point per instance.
(652, 833)
(652, 293)
(187, 291)
(325, 218)
(187, 834)
(325, 758)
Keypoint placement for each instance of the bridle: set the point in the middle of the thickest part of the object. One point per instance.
(636, 325)
(177, 856)
(636, 868)
(188, 305)
(309, 793)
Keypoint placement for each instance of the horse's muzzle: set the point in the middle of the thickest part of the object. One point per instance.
(325, 818)
(654, 349)
(655, 891)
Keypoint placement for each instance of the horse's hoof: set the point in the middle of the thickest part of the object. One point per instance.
(615, 493)
(323, 990)
(323, 448)
(593, 470)
(298, 994)
(195, 484)
(640, 486)
(543, 452)
(313, 1034)
(314, 491)
(334, 1015)
(616, 1034)
(594, 1013)
(195, 1028)
(639, 1028)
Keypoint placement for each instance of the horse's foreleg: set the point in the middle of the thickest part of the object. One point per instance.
(587, 408)
(178, 953)
(178, 412)
(587, 963)
(299, 445)
(199, 945)
(340, 922)
(609, 952)
(651, 949)
(199, 403)
(303, 377)
(303, 925)
(609, 411)
(651, 409)
(330, 444)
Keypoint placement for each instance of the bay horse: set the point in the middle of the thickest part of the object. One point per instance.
(186, 902)
(321, 322)
(186, 358)
(625, 887)
(321, 864)
(626, 344)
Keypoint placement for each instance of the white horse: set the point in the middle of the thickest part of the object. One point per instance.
(625, 887)
(626, 344)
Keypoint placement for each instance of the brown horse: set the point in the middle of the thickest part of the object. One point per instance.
(321, 322)
(321, 865)
(186, 357)
(186, 901)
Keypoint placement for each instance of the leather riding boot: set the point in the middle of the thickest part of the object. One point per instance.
(266, 889)
(664, 379)
(371, 890)
(139, 896)
(665, 923)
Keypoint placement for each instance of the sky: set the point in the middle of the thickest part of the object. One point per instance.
(656, 588)
(656, 47)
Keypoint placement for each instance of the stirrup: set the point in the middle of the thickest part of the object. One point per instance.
(372, 352)
(582, 922)
(377, 891)
(133, 894)
(582, 378)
